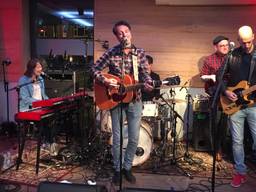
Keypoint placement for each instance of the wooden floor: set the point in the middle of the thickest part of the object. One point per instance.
(155, 181)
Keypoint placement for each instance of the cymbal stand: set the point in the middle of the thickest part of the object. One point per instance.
(188, 157)
(173, 120)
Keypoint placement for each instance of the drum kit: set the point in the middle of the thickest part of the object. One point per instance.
(158, 123)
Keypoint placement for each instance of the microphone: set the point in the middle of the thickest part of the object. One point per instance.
(183, 86)
(105, 44)
(50, 54)
(7, 61)
(45, 75)
(65, 55)
(125, 43)
(232, 46)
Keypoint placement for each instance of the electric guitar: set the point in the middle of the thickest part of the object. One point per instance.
(106, 98)
(245, 98)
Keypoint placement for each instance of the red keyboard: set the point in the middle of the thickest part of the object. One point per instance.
(45, 108)
(57, 100)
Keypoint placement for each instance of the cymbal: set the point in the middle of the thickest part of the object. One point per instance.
(167, 86)
(161, 102)
(176, 100)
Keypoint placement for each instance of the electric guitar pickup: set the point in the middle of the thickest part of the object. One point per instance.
(245, 98)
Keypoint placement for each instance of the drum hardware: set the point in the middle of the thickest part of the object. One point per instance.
(187, 156)
(150, 109)
(164, 146)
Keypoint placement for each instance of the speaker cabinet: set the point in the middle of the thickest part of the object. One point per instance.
(66, 187)
(145, 190)
(58, 88)
(202, 135)
(64, 84)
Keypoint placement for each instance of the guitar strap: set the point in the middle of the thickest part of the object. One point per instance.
(252, 65)
(135, 66)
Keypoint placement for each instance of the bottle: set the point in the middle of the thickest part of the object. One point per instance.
(9, 159)
(5, 161)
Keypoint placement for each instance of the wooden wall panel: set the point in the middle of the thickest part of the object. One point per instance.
(178, 37)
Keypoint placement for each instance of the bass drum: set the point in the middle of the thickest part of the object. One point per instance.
(145, 143)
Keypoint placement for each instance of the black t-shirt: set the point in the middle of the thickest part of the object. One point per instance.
(239, 69)
(148, 96)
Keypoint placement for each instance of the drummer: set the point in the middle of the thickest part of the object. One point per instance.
(148, 96)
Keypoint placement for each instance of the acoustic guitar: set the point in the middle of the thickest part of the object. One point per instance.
(106, 98)
(245, 98)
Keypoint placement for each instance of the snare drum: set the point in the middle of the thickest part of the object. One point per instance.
(150, 109)
(145, 143)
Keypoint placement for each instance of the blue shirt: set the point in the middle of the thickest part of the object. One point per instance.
(26, 92)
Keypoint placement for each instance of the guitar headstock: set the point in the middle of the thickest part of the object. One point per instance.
(175, 80)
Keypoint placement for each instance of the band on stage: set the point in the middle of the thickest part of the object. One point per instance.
(138, 104)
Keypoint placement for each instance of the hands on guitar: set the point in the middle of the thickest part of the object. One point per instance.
(116, 90)
(111, 83)
(231, 95)
(238, 97)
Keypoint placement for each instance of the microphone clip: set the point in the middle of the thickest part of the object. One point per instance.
(6, 62)
(45, 75)
(183, 86)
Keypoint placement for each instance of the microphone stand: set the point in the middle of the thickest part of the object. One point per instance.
(189, 98)
(121, 120)
(20, 144)
(6, 89)
(213, 112)
(188, 157)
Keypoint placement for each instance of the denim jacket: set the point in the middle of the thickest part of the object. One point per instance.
(26, 92)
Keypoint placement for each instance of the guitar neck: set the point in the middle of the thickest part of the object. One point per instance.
(249, 90)
(140, 85)
(134, 87)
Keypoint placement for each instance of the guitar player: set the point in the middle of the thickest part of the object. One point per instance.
(121, 60)
(210, 69)
(241, 68)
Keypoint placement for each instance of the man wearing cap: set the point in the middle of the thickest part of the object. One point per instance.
(241, 67)
(213, 62)
(210, 69)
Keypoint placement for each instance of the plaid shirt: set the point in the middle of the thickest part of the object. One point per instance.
(211, 66)
(113, 59)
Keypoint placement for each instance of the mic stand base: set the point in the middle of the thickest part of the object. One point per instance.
(162, 161)
(170, 162)
(175, 163)
(189, 159)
